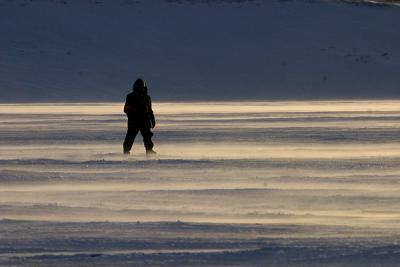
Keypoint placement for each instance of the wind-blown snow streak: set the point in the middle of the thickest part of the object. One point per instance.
(230, 169)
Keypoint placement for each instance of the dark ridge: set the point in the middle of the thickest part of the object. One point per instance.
(372, 3)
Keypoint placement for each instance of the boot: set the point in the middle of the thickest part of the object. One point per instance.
(150, 152)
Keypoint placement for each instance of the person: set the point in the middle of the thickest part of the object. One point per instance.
(140, 117)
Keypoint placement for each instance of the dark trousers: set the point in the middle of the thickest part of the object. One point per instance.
(131, 135)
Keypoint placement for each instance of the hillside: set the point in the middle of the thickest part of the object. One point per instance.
(65, 50)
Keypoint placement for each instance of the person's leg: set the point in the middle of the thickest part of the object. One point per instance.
(148, 143)
(130, 138)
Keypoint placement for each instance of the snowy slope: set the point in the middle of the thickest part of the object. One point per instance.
(187, 244)
(234, 184)
(93, 50)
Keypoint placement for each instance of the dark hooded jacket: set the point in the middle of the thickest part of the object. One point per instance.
(138, 108)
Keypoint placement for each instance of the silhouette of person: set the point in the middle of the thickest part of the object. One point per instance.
(140, 117)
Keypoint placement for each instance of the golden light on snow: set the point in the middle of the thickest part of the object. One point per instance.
(232, 107)
(315, 162)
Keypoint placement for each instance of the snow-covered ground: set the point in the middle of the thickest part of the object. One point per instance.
(234, 184)
(87, 50)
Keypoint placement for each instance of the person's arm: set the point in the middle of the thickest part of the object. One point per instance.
(127, 107)
(151, 115)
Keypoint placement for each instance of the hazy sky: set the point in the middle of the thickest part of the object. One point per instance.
(82, 51)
